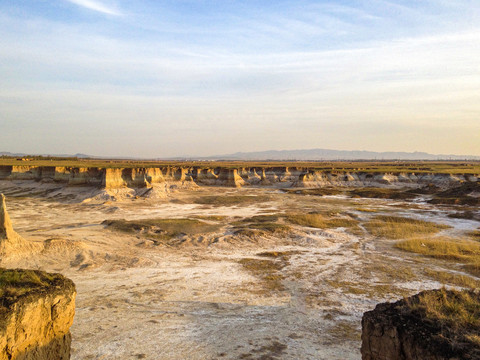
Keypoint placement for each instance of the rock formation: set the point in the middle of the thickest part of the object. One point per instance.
(36, 313)
(404, 331)
(10, 242)
(281, 176)
(6, 229)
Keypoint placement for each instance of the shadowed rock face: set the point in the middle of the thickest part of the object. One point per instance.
(36, 313)
(394, 331)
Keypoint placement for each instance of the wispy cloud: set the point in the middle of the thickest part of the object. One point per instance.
(96, 6)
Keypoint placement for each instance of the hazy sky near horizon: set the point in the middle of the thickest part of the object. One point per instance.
(161, 78)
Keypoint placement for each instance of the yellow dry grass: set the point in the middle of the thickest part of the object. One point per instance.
(461, 250)
(268, 271)
(16, 282)
(456, 315)
(442, 247)
(457, 309)
(161, 229)
(320, 221)
(396, 227)
(367, 210)
(475, 234)
(448, 278)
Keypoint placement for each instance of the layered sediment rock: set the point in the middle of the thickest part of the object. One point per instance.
(229, 177)
(114, 178)
(36, 313)
(399, 331)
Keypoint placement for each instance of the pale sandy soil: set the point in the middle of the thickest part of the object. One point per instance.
(195, 300)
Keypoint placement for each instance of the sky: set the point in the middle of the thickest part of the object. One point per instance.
(155, 78)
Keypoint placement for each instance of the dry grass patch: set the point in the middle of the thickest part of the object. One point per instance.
(267, 218)
(19, 282)
(366, 210)
(474, 339)
(317, 191)
(377, 291)
(396, 227)
(345, 330)
(385, 272)
(211, 217)
(447, 278)
(162, 229)
(475, 235)
(348, 287)
(461, 195)
(382, 193)
(381, 291)
(260, 225)
(267, 352)
(319, 221)
(467, 215)
(279, 254)
(268, 271)
(261, 229)
(460, 250)
(474, 267)
(457, 313)
(231, 200)
(443, 248)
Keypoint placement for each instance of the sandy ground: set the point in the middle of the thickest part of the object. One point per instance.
(195, 300)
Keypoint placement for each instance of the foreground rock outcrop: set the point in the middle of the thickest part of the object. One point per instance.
(432, 325)
(36, 312)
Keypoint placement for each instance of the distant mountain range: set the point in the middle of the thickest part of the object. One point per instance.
(326, 154)
(80, 156)
(290, 155)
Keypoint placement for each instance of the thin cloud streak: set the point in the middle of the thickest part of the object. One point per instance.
(96, 6)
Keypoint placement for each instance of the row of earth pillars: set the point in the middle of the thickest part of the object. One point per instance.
(284, 176)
